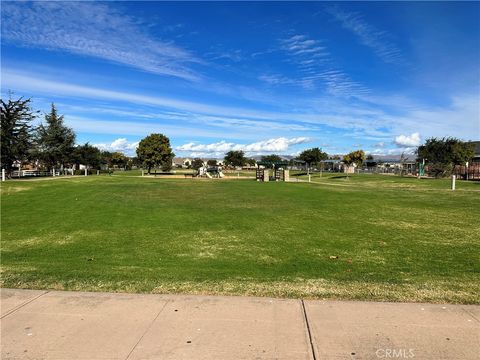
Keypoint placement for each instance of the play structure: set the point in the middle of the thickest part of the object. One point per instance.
(276, 169)
(213, 172)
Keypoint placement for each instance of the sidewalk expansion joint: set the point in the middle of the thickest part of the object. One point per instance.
(309, 332)
(147, 329)
(22, 305)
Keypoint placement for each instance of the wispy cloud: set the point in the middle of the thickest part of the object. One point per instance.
(276, 145)
(239, 116)
(299, 45)
(190, 118)
(93, 29)
(134, 128)
(185, 116)
(275, 79)
(368, 34)
(232, 55)
(315, 68)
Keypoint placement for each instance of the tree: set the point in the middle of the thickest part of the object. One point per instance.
(106, 158)
(251, 162)
(130, 162)
(441, 155)
(312, 156)
(212, 162)
(403, 160)
(370, 161)
(15, 134)
(136, 162)
(118, 159)
(197, 163)
(88, 155)
(271, 158)
(55, 141)
(155, 150)
(235, 158)
(355, 157)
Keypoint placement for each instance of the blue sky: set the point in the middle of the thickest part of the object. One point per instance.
(263, 77)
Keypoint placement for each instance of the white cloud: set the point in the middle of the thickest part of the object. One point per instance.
(131, 128)
(275, 79)
(368, 35)
(120, 144)
(300, 45)
(93, 29)
(407, 151)
(458, 118)
(276, 145)
(408, 141)
(123, 144)
(314, 64)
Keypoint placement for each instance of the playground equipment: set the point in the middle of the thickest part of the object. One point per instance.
(277, 175)
(277, 169)
(214, 172)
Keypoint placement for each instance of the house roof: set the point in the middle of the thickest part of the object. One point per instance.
(477, 147)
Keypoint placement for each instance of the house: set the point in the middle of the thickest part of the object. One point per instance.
(180, 162)
(472, 171)
(476, 157)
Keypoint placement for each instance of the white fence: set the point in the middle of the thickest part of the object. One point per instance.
(33, 173)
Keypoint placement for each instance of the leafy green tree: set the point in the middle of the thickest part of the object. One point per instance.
(235, 158)
(271, 158)
(355, 157)
(88, 155)
(251, 161)
(441, 155)
(16, 131)
(212, 162)
(118, 159)
(55, 141)
(197, 163)
(370, 161)
(136, 161)
(155, 150)
(106, 158)
(312, 156)
(130, 163)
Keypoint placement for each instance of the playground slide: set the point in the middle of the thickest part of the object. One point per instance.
(221, 174)
(208, 175)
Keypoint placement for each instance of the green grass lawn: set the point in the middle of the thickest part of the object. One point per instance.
(367, 237)
(138, 172)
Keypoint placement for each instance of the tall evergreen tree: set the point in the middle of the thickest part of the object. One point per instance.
(55, 141)
(16, 135)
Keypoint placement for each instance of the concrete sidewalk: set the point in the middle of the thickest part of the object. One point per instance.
(79, 325)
